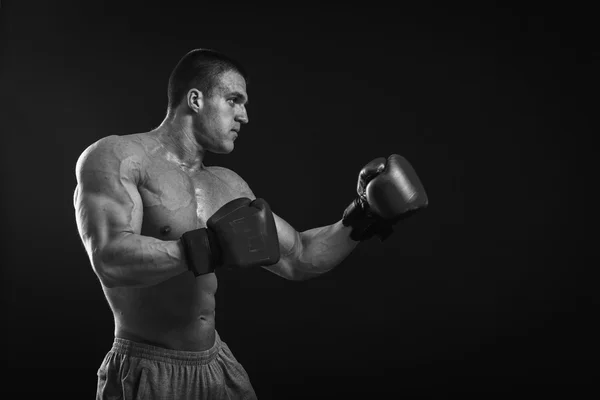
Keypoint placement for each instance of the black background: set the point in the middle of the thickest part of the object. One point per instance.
(486, 293)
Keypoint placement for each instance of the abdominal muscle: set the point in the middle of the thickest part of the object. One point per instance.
(177, 314)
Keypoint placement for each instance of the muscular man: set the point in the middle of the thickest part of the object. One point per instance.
(156, 223)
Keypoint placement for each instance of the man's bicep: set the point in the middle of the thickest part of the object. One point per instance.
(289, 238)
(290, 242)
(103, 216)
(290, 247)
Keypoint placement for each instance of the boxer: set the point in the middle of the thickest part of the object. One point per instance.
(157, 223)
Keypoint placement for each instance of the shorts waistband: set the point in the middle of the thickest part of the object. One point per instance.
(154, 353)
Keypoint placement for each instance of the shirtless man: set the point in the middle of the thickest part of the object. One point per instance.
(156, 222)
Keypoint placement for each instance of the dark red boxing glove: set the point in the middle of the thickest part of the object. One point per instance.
(388, 191)
(240, 234)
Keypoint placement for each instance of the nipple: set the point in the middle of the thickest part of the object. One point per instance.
(165, 230)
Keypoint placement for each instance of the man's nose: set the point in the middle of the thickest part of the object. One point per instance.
(242, 116)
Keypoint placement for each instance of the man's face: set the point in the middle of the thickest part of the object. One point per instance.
(223, 113)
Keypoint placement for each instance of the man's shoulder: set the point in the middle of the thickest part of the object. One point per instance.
(225, 174)
(120, 144)
(232, 179)
(222, 172)
(111, 150)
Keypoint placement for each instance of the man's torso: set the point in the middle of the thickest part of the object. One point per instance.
(178, 313)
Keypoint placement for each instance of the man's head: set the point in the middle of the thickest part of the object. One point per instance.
(210, 88)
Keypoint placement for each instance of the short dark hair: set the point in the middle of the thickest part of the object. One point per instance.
(199, 68)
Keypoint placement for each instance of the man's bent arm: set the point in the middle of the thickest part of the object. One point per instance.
(307, 254)
(322, 249)
(108, 209)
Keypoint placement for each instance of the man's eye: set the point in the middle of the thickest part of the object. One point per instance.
(231, 101)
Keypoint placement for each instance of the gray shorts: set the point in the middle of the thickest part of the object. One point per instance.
(133, 370)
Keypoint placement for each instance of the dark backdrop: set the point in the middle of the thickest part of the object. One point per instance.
(484, 293)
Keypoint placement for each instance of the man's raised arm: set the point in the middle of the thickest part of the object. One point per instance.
(109, 213)
(308, 254)
(388, 191)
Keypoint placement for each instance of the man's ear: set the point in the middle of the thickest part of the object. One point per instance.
(195, 100)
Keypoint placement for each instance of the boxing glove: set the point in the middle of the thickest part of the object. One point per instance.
(388, 191)
(241, 234)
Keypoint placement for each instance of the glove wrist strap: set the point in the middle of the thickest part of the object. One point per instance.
(355, 216)
(201, 251)
(364, 223)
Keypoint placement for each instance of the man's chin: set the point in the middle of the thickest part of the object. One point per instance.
(223, 149)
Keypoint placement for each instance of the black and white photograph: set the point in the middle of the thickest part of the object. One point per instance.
(209, 200)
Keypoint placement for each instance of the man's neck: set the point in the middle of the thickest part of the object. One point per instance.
(178, 140)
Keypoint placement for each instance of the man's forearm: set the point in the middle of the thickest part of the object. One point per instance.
(323, 248)
(138, 261)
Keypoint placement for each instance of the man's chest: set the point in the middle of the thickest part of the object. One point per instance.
(175, 201)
